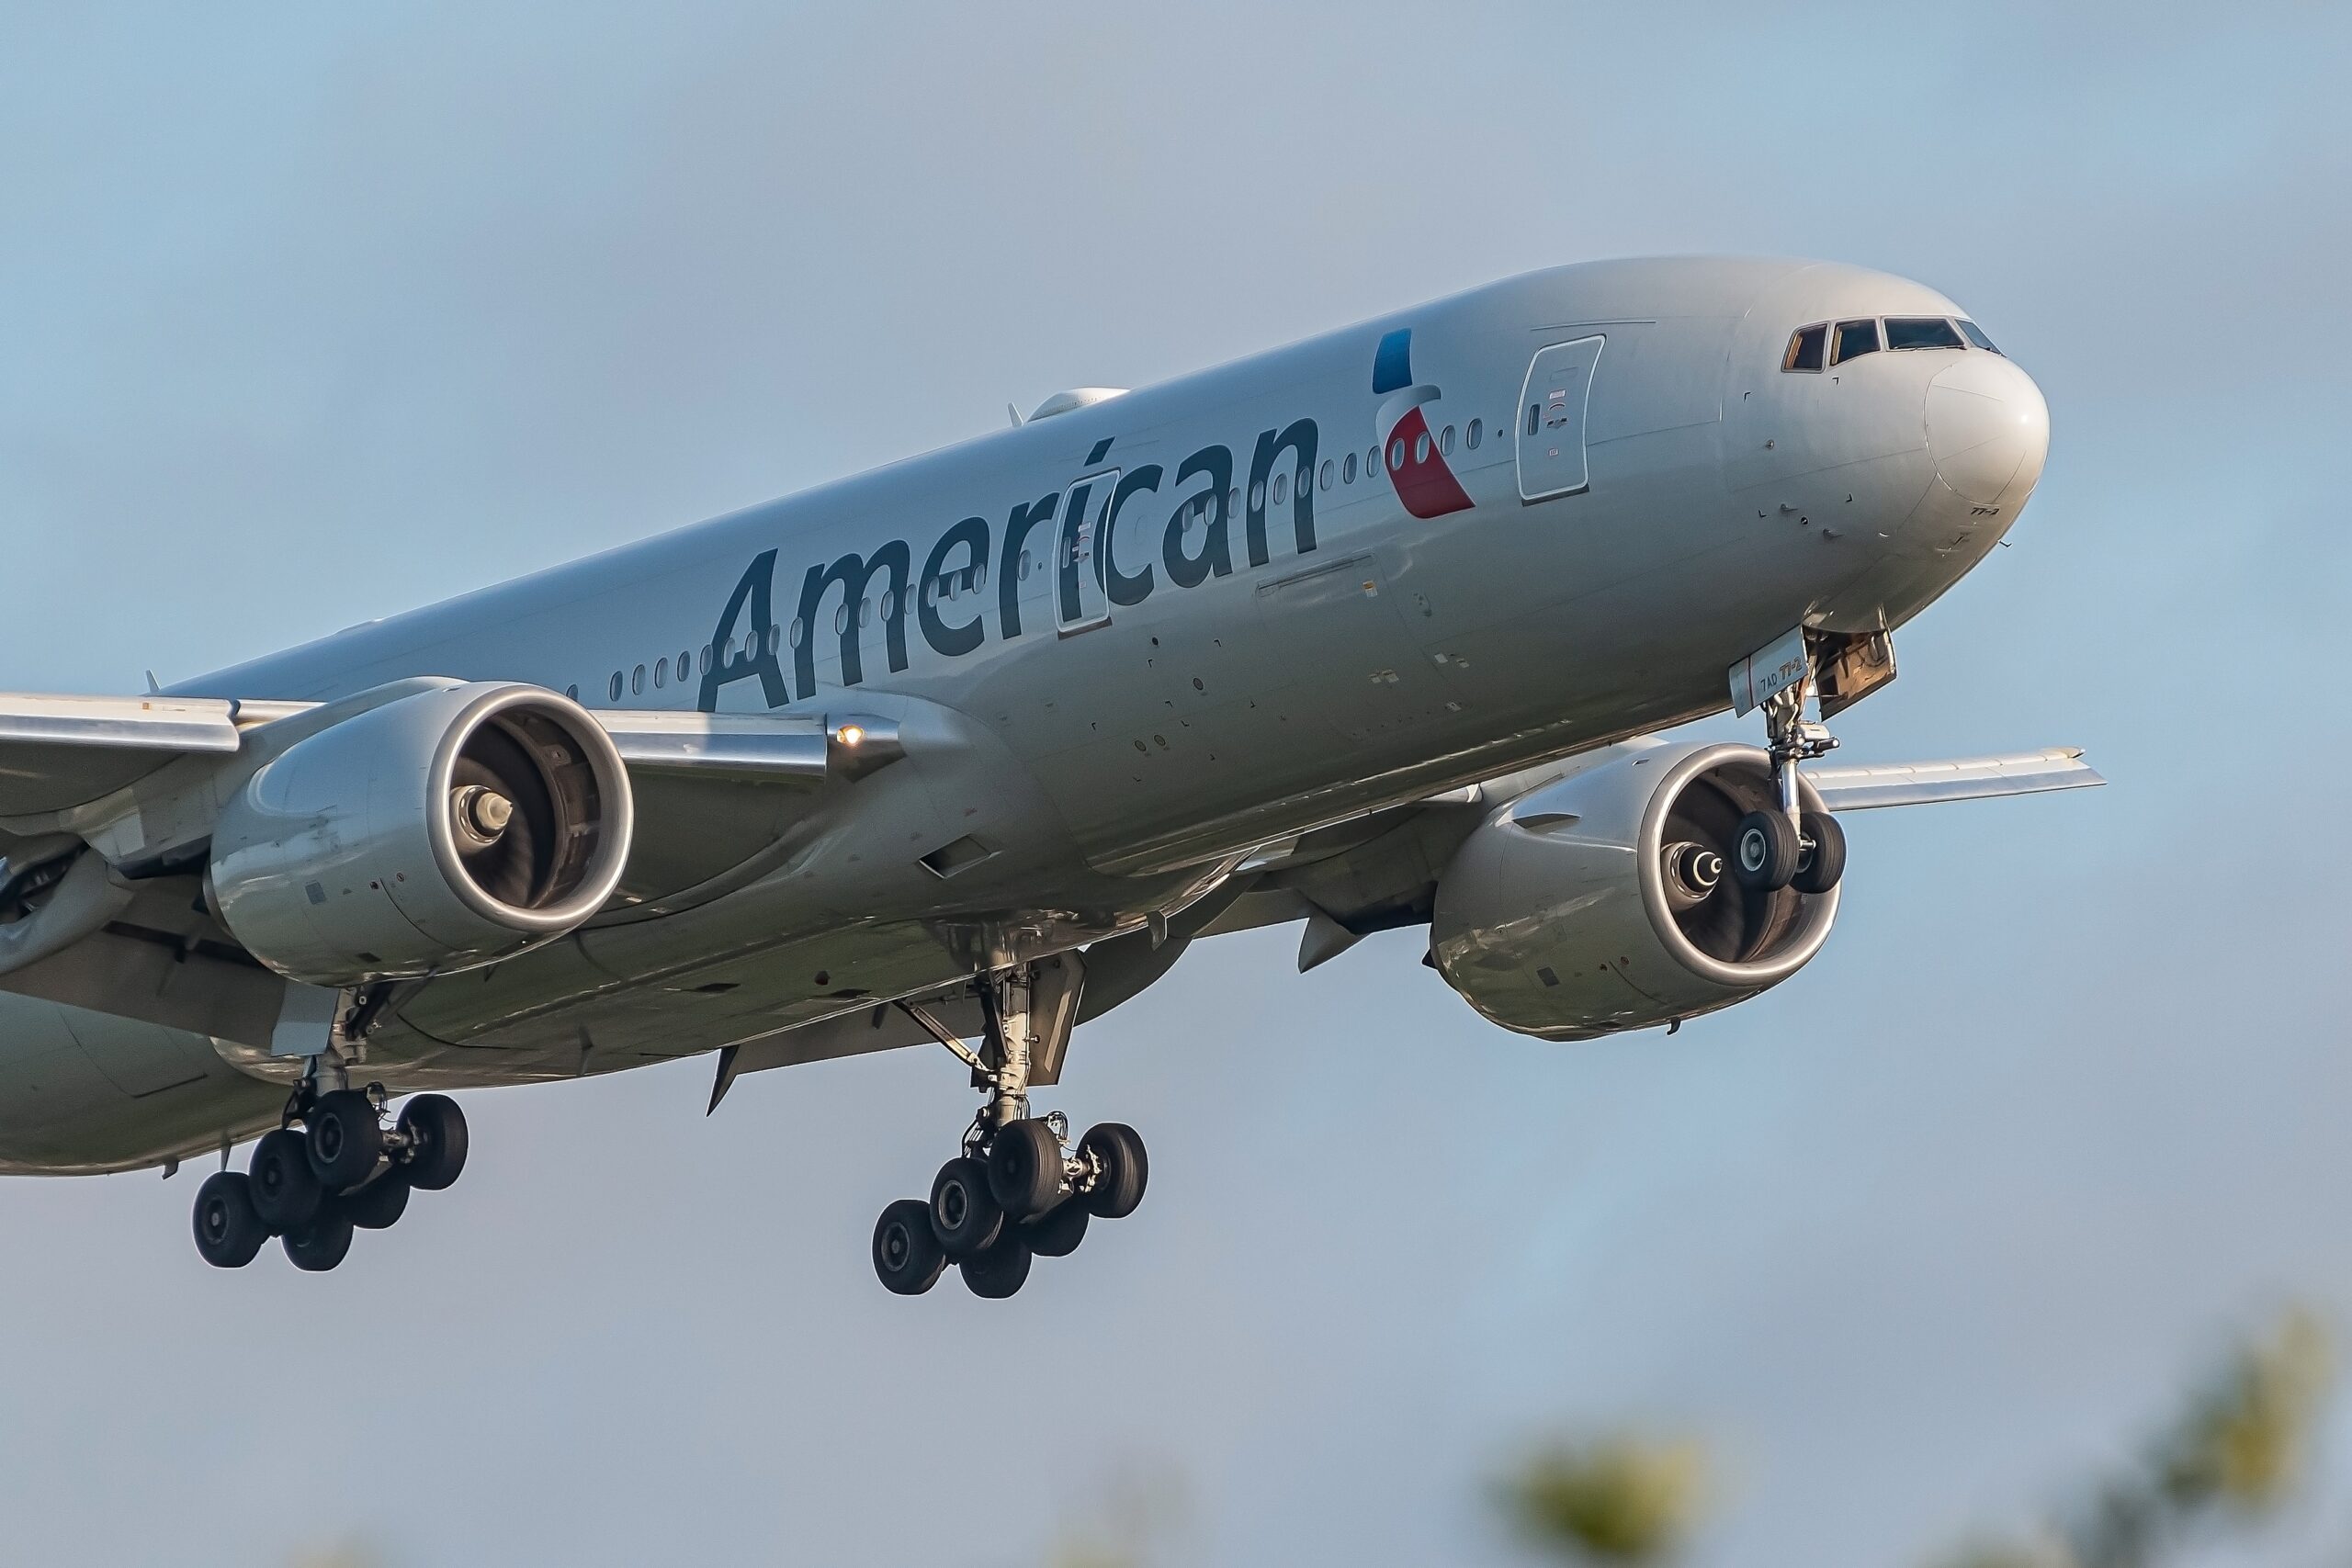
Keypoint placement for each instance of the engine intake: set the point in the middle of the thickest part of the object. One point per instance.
(1602, 902)
(440, 831)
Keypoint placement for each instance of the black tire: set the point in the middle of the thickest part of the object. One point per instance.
(378, 1205)
(1056, 1232)
(436, 1131)
(323, 1243)
(1000, 1271)
(1025, 1169)
(1122, 1169)
(965, 1214)
(1764, 851)
(285, 1189)
(229, 1233)
(908, 1258)
(345, 1140)
(1824, 862)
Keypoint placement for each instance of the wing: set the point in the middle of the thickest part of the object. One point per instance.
(1373, 872)
(125, 930)
(1972, 778)
(1381, 871)
(59, 752)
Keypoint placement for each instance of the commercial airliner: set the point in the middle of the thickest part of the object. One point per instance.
(1370, 632)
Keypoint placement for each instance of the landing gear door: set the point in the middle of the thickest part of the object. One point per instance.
(1081, 600)
(1551, 420)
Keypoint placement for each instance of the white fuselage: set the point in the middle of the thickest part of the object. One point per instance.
(1141, 637)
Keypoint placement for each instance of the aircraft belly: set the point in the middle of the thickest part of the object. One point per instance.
(83, 1092)
(723, 1002)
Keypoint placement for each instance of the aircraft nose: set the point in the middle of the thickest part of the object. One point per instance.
(1988, 429)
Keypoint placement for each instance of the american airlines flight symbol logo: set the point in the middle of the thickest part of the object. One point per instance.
(1416, 466)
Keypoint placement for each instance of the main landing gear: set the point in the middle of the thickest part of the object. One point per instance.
(1789, 847)
(1019, 1190)
(343, 1170)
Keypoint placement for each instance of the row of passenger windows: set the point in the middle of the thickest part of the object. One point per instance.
(1836, 342)
(951, 585)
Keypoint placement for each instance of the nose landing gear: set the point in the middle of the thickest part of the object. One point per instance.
(1019, 1190)
(1789, 847)
(343, 1170)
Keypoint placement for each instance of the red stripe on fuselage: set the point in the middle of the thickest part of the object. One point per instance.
(1425, 485)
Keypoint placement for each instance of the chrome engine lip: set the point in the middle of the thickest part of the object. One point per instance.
(603, 876)
(1819, 910)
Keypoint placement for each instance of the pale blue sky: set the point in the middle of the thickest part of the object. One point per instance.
(308, 316)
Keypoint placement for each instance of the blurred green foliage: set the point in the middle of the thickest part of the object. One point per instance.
(1615, 1500)
(2232, 1457)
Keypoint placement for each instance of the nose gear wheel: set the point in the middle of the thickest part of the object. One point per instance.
(1789, 847)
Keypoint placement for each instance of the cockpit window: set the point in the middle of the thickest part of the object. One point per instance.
(1975, 334)
(1854, 340)
(1920, 332)
(1806, 348)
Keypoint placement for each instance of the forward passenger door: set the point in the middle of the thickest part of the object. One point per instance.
(1552, 409)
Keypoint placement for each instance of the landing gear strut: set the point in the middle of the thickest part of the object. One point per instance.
(1019, 1190)
(343, 1169)
(1789, 847)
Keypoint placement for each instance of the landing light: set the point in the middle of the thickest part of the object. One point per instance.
(851, 735)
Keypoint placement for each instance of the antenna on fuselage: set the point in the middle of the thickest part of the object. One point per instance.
(1013, 415)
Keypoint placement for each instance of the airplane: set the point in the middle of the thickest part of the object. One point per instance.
(1375, 631)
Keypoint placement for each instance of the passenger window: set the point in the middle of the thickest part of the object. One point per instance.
(1975, 334)
(1421, 448)
(1348, 469)
(1233, 501)
(1256, 495)
(1535, 412)
(1446, 442)
(1397, 454)
(1854, 340)
(841, 621)
(573, 691)
(616, 687)
(1372, 462)
(636, 679)
(1471, 437)
(706, 658)
(1282, 488)
(1327, 473)
(1920, 332)
(799, 631)
(1025, 566)
(1805, 348)
(661, 672)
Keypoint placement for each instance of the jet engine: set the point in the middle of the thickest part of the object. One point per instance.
(1604, 900)
(439, 831)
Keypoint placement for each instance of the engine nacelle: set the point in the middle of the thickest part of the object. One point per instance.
(1603, 901)
(439, 831)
